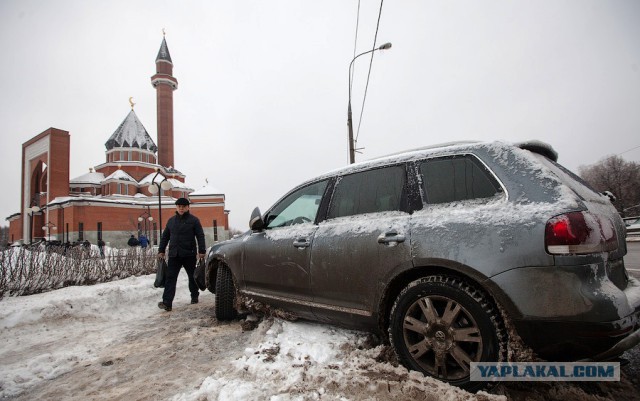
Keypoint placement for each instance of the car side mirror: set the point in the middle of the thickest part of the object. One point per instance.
(256, 223)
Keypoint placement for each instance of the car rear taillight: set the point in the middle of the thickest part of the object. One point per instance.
(579, 233)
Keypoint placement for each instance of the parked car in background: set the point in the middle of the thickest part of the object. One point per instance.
(439, 250)
(633, 227)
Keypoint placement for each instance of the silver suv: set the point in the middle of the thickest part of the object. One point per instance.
(442, 250)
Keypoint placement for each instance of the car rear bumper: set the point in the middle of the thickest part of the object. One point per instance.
(574, 312)
(569, 341)
(621, 346)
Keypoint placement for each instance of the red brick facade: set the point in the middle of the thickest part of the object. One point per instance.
(113, 207)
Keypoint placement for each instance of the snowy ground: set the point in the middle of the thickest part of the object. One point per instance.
(110, 341)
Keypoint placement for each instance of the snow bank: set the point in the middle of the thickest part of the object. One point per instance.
(306, 361)
(66, 328)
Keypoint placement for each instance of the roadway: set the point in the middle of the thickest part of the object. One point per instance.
(632, 369)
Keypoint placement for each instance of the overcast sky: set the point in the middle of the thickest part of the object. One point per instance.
(263, 85)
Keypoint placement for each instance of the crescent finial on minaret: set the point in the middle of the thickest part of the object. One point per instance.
(131, 102)
(163, 33)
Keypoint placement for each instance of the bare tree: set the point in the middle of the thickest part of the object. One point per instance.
(618, 176)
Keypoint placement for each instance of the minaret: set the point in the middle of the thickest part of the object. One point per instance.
(165, 84)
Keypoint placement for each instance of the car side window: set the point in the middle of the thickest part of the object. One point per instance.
(370, 191)
(301, 206)
(456, 178)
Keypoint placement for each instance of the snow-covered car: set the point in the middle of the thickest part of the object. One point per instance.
(633, 227)
(452, 253)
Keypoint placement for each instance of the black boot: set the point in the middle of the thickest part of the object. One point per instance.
(162, 305)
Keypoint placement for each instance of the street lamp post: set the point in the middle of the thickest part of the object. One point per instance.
(31, 211)
(352, 150)
(48, 227)
(147, 218)
(156, 188)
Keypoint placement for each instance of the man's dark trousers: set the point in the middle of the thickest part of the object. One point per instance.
(173, 269)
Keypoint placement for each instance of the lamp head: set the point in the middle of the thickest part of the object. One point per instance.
(153, 189)
(166, 185)
(385, 46)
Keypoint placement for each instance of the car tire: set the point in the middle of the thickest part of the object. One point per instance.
(225, 294)
(439, 324)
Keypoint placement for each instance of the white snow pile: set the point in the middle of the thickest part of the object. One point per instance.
(307, 361)
(81, 341)
(47, 335)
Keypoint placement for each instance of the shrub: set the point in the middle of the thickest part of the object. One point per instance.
(31, 270)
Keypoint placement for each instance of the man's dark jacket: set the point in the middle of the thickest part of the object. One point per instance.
(181, 232)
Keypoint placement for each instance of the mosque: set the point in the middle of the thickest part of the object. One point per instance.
(131, 193)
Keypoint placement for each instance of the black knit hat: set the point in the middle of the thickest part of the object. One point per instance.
(182, 201)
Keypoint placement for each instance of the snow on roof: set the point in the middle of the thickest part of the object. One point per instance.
(148, 179)
(88, 178)
(172, 170)
(179, 185)
(100, 199)
(436, 150)
(131, 134)
(58, 200)
(121, 176)
(206, 190)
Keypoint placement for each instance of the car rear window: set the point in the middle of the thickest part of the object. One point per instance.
(577, 184)
(456, 178)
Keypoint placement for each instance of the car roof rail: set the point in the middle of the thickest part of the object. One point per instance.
(428, 147)
(534, 146)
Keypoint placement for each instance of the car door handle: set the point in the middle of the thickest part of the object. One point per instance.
(391, 238)
(301, 243)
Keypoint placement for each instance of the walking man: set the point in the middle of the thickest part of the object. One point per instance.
(181, 233)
